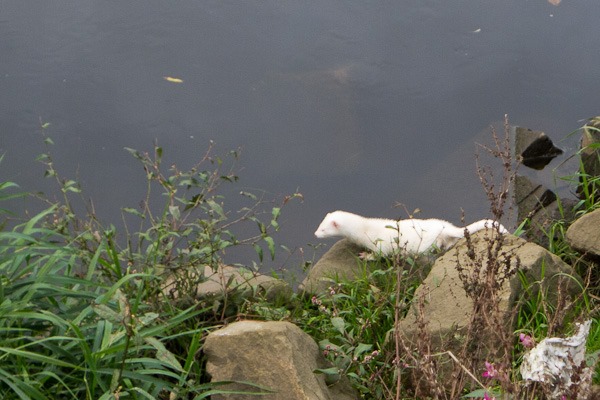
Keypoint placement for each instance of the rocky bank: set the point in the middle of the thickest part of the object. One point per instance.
(280, 357)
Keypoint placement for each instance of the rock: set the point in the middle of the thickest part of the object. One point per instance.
(590, 155)
(535, 149)
(207, 283)
(275, 355)
(542, 207)
(584, 234)
(531, 198)
(448, 309)
(340, 261)
(535, 201)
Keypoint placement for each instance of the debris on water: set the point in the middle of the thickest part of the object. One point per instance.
(173, 80)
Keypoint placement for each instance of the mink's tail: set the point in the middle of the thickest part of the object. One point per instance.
(485, 223)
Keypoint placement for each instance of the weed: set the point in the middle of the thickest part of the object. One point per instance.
(82, 311)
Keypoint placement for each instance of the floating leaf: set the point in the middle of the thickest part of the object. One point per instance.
(173, 80)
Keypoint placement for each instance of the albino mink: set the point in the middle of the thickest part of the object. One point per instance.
(387, 235)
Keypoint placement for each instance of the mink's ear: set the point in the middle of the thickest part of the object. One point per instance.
(335, 224)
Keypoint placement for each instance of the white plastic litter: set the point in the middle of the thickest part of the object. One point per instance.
(554, 361)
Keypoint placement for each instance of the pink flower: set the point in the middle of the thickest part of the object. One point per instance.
(490, 371)
(487, 397)
(526, 340)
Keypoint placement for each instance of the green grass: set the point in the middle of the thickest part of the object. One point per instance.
(82, 309)
(66, 333)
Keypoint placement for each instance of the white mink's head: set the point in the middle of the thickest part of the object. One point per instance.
(330, 226)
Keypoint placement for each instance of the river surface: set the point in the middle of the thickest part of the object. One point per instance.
(357, 105)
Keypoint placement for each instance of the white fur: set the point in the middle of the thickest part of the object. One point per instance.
(387, 235)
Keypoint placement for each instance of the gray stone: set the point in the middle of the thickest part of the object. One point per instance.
(448, 309)
(534, 148)
(341, 261)
(207, 283)
(531, 197)
(275, 355)
(542, 207)
(584, 234)
(524, 137)
(590, 155)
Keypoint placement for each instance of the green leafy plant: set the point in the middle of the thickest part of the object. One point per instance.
(354, 324)
(82, 310)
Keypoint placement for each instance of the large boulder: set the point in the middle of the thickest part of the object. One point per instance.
(448, 309)
(584, 234)
(341, 261)
(275, 355)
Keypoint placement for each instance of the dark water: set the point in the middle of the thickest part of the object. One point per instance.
(358, 105)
